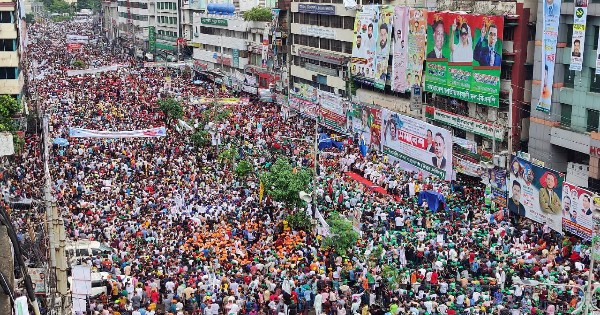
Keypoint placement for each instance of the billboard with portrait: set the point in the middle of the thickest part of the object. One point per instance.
(417, 38)
(417, 143)
(400, 51)
(365, 122)
(578, 208)
(535, 192)
(550, 23)
(371, 46)
(464, 55)
(578, 38)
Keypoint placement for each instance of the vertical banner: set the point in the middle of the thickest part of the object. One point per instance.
(332, 110)
(577, 207)
(497, 180)
(535, 192)
(417, 39)
(550, 22)
(598, 57)
(418, 144)
(358, 117)
(464, 55)
(374, 123)
(596, 236)
(371, 46)
(236, 58)
(399, 78)
(152, 39)
(578, 40)
(265, 47)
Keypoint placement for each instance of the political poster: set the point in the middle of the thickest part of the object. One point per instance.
(598, 57)
(414, 142)
(596, 235)
(358, 116)
(417, 38)
(467, 166)
(302, 106)
(578, 38)
(399, 59)
(550, 23)
(38, 279)
(332, 110)
(497, 182)
(374, 124)
(577, 211)
(464, 54)
(535, 192)
(371, 46)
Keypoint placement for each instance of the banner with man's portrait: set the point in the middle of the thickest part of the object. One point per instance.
(577, 207)
(578, 38)
(464, 55)
(536, 193)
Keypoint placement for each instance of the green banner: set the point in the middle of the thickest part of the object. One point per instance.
(440, 173)
(464, 56)
(213, 21)
(152, 38)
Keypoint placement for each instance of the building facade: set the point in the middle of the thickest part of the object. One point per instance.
(12, 50)
(567, 137)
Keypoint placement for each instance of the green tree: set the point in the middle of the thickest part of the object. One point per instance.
(171, 109)
(243, 168)
(59, 6)
(79, 64)
(30, 18)
(300, 221)
(228, 155)
(391, 277)
(283, 183)
(200, 138)
(342, 235)
(259, 14)
(9, 108)
(88, 4)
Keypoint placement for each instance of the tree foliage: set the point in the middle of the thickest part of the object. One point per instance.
(228, 155)
(243, 168)
(79, 64)
(259, 14)
(171, 109)
(200, 138)
(391, 277)
(58, 6)
(300, 221)
(88, 4)
(30, 18)
(9, 108)
(283, 182)
(342, 235)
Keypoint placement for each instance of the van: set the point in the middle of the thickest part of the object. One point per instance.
(99, 282)
(82, 249)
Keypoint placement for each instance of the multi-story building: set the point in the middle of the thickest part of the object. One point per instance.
(567, 138)
(133, 19)
(12, 32)
(109, 15)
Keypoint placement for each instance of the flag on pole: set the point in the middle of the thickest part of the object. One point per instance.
(362, 146)
(261, 191)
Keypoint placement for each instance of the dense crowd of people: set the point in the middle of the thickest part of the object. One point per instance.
(188, 236)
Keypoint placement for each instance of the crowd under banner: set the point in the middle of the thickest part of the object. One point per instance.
(142, 133)
(550, 23)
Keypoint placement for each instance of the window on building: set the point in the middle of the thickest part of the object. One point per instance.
(347, 47)
(336, 45)
(506, 73)
(8, 73)
(303, 40)
(565, 114)
(8, 45)
(323, 20)
(509, 34)
(313, 42)
(335, 21)
(594, 82)
(313, 19)
(596, 34)
(569, 34)
(348, 22)
(325, 43)
(569, 79)
(593, 119)
(6, 17)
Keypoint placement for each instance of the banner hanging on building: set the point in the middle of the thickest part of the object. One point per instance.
(577, 207)
(467, 167)
(143, 133)
(535, 192)
(417, 143)
(550, 22)
(152, 39)
(578, 38)
(598, 57)
(399, 78)
(371, 46)
(464, 54)
(365, 121)
(332, 110)
(417, 39)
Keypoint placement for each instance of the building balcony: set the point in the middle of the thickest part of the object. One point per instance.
(323, 32)
(570, 139)
(307, 74)
(9, 58)
(12, 86)
(217, 40)
(8, 31)
(214, 58)
(232, 23)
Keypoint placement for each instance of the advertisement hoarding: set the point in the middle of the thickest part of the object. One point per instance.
(578, 38)
(152, 39)
(303, 107)
(332, 110)
(550, 23)
(464, 54)
(422, 145)
(417, 38)
(577, 210)
(371, 46)
(399, 78)
(365, 121)
(535, 192)
(465, 123)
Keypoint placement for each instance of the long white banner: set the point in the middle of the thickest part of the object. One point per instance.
(578, 38)
(143, 133)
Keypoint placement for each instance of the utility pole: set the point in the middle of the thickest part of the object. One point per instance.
(316, 163)
(7, 270)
